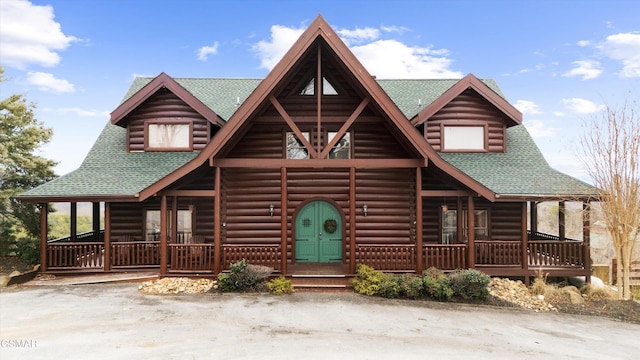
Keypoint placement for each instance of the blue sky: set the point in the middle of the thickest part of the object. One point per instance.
(559, 62)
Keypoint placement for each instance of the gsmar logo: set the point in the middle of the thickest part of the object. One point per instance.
(18, 343)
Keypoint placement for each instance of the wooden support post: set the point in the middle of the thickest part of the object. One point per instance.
(74, 222)
(95, 219)
(524, 241)
(534, 216)
(163, 235)
(283, 220)
(561, 220)
(174, 222)
(44, 227)
(352, 221)
(471, 233)
(586, 237)
(217, 254)
(107, 237)
(459, 221)
(418, 223)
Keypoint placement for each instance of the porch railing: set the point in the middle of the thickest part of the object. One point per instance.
(135, 254)
(266, 255)
(191, 257)
(556, 254)
(75, 255)
(387, 257)
(445, 256)
(499, 253)
(89, 236)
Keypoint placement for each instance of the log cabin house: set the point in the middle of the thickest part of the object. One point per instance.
(318, 163)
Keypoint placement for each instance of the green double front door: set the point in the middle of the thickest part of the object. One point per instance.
(318, 233)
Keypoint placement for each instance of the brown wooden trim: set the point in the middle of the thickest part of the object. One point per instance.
(312, 152)
(524, 237)
(216, 224)
(325, 163)
(444, 193)
(471, 234)
(319, 90)
(73, 221)
(469, 82)
(352, 221)
(107, 237)
(283, 220)
(561, 220)
(44, 233)
(163, 81)
(192, 193)
(163, 235)
(533, 212)
(174, 220)
(344, 128)
(459, 221)
(419, 250)
(95, 216)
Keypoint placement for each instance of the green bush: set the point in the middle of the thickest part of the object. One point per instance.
(280, 286)
(243, 277)
(410, 286)
(437, 285)
(389, 287)
(367, 280)
(470, 284)
(28, 249)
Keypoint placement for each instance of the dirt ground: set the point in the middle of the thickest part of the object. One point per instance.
(106, 321)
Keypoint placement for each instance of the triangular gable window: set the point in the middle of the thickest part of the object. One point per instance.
(310, 88)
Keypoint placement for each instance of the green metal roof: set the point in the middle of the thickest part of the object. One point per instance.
(110, 171)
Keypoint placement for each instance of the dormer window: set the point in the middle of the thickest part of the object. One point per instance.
(464, 138)
(174, 136)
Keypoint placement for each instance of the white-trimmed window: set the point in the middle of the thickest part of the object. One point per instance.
(342, 149)
(465, 138)
(175, 136)
(450, 225)
(152, 224)
(295, 147)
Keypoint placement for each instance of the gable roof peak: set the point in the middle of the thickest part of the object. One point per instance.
(470, 81)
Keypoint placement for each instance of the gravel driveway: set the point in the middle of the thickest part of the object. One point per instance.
(117, 321)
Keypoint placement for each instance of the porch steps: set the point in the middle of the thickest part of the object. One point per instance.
(321, 283)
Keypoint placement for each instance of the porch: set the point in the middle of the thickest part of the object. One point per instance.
(541, 252)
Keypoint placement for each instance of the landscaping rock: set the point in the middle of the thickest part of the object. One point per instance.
(516, 293)
(177, 285)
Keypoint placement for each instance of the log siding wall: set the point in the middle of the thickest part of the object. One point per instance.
(164, 105)
(468, 109)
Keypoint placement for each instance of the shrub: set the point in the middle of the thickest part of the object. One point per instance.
(243, 277)
(280, 286)
(597, 293)
(470, 284)
(389, 286)
(436, 284)
(28, 250)
(367, 280)
(410, 286)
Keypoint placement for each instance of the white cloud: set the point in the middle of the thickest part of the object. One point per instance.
(270, 52)
(77, 112)
(538, 129)
(558, 114)
(48, 82)
(527, 107)
(538, 67)
(624, 47)
(358, 35)
(382, 58)
(30, 35)
(582, 106)
(205, 51)
(588, 69)
(583, 43)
